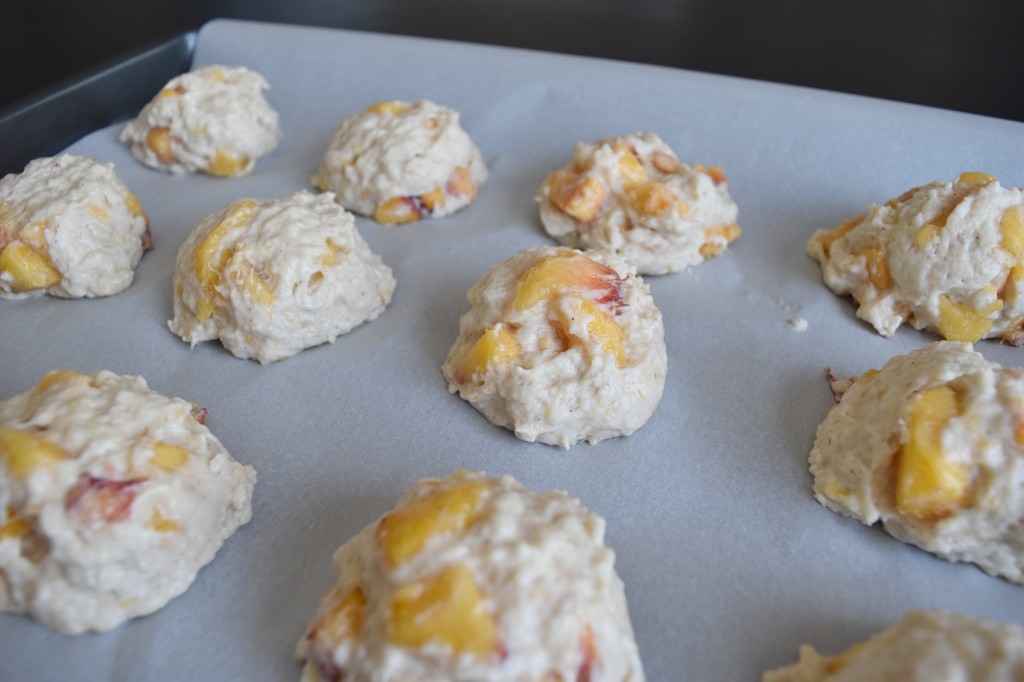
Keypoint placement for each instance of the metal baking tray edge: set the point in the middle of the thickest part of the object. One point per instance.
(49, 121)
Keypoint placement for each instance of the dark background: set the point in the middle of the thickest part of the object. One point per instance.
(967, 56)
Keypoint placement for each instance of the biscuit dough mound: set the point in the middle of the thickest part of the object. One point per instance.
(560, 346)
(400, 162)
(69, 227)
(930, 446)
(112, 497)
(947, 257)
(630, 195)
(270, 278)
(472, 578)
(925, 646)
(213, 119)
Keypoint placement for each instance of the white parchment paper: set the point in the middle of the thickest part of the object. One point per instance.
(729, 563)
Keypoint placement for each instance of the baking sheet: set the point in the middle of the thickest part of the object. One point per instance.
(729, 563)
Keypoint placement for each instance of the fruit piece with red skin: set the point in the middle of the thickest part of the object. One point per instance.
(96, 501)
(589, 655)
(568, 272)
(401, 210)
(147, 239)
(460, 183)
(199, 414)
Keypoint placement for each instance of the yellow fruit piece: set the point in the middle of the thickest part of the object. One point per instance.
(162, 524)
(877, 267)
(159, 140)
(942, 217)
(928, 485)
(606, 330)
(210, 256)
(246, 277)
(60, 376)
(15, 526)
(433, 199)
(99, 212)
(579, 197)
(331, 256)
(829, 237)
(930, 230)
(134, 207)
(652, 199)
(395, 211)
(834, 491)
(34, 546)
(496, 346)
(405, 531)
(216, 75)
(25, 452)
(716, 173)
(565, 272)
(447, 609)
(342, 620)
(393, 108)
(168, 456)
(1013, 232)
(961, 322)
(226, 164)
(926, 234)
(1013, 242)
(729, 232)
(27, 269)
(460, 183)
(631, 169)
(975, 178)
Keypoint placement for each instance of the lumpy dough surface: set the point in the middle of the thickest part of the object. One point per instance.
(930, 446)
(69, 227)
(213, 119)
(947, 257)
(400, 162)
(270, 278)
(112, 497)
(468, 579)
(630, 195)
(560, 346)
(925, 646)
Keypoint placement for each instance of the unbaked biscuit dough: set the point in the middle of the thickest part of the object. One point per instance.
(399, 162)
(112, 497)
(631, 195)
(947, 257)
(270, 278)
(213, 119)
(560, 346)
(925, 646)
(930, 446)
(69, 227)
(472, 578)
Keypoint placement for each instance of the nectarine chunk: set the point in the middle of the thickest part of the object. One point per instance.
(447, 609)
(567, 272)
(928, 485)
(496, 346)
(408, 529)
